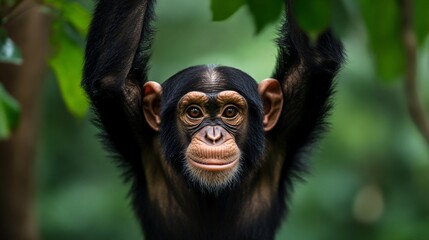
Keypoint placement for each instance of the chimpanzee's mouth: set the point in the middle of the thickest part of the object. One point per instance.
(213, 164)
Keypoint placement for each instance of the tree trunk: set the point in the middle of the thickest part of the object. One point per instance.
(29, 28)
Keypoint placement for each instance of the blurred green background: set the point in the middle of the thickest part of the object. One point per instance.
(369, 176)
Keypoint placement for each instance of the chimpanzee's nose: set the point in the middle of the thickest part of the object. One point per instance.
(213, 134)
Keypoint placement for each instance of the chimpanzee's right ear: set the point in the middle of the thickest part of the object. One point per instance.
(151, 104)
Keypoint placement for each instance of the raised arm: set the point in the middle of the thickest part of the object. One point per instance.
(306, 70)
(115, 70)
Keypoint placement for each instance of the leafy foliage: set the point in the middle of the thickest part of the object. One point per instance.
(381, 19)
(70, 28)
(9, 113)
(67, 66)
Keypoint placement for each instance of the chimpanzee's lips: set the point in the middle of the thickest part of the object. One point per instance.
(213, 158)
(213, 164)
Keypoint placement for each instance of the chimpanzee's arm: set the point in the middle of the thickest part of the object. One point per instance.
(115, 70)
(306, 70)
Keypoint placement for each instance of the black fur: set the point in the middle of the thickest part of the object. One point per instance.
(116, 65)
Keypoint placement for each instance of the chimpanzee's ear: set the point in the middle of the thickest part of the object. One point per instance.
(272, 99)
(151, 104)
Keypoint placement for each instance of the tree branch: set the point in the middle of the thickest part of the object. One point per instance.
(409, 37)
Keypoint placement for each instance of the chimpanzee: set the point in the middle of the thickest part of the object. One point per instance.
(209, 153)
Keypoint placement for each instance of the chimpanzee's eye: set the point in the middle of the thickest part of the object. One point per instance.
(194, 112)
(230, 112)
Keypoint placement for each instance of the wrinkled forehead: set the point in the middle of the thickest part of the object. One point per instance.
(221, 98)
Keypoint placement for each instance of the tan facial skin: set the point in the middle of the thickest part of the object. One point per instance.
(212, 148)
(213, 155)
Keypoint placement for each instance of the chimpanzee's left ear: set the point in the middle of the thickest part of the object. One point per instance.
(271, 93)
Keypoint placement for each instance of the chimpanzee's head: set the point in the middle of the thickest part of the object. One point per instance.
(212, 122)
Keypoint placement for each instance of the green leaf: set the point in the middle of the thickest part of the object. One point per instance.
(223, 9)
(77, 16)
(382, 19)
(67, 65)
(9, 113)
(265, 12)
(9, 52)
(313, 16)
(421, 21)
